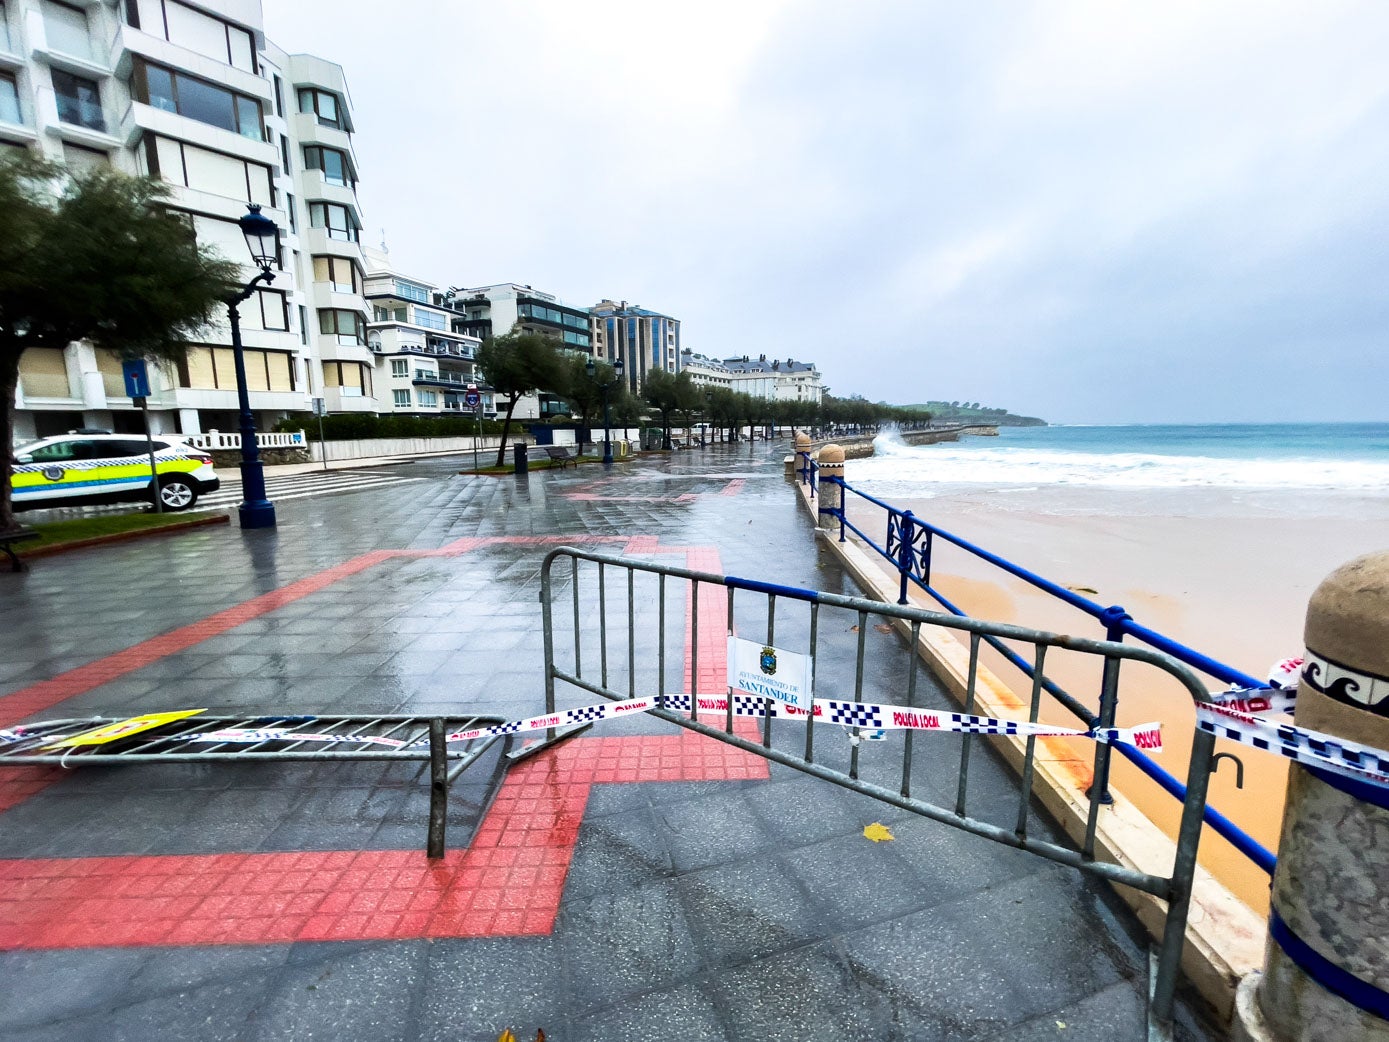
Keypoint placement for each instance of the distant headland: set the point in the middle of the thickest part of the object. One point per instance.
(973, 412)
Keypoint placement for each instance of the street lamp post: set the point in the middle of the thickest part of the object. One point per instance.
(263, 240)
(591, 367)
(708, 411)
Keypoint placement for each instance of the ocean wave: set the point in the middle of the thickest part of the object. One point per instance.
(972, 463)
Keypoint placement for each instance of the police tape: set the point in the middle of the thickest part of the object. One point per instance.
(867, 716)
(1300, 744)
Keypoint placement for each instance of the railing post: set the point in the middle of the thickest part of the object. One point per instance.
(802, 456)
(1113, 618)
(904, 552)
(1325, 971)
(831, 462)
(438, 788)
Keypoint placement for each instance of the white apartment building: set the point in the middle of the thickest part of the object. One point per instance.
(423, 367)
(193, 94)
(788, 381)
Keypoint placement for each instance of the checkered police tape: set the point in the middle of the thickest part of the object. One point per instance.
(1300, 744)
(885, 717)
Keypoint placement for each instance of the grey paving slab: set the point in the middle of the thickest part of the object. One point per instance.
(702, 910)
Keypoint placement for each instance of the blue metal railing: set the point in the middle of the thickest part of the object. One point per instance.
(909, 545)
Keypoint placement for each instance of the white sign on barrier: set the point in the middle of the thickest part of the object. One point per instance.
(760, 669)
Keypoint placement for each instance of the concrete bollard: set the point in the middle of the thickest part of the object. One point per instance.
(800, 445)
(1326, 964)
(831, 460)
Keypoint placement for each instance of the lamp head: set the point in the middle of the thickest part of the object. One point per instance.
(617, 366)
(591, 367)
(262, 236)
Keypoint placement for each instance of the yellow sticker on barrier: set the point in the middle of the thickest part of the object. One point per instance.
(124, 728)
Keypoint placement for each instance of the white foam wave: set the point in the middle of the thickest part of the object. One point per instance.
(971, 463)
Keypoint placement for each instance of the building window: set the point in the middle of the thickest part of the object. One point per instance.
(334, 164)
(284, 153)
(348, 325)
(293, 212)
(79, 100)
(337, 220)
(279, 96)
(214, 368)
(429, 398)
(66, 29)
(5, 44)
(401, 398)
(9, 96)
(410, 291)
(182, 25)
(324, 105)
(274, 310)
(84, 160)
(352, 379)
(202, 169)
(429, 319)
(197, 99)
(303, 325)
(400, 367)
(339, 272)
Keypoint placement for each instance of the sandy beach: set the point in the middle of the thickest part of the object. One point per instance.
(1228, 572)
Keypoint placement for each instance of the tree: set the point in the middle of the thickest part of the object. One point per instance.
(95, 257)
(518, 364)
(584, 393)
(668, 394)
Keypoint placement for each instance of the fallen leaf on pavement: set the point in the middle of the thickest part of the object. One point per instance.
(878, 832)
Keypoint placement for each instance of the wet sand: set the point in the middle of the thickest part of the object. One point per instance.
(1228, 573)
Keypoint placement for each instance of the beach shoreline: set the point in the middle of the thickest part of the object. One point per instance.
(1227, 572)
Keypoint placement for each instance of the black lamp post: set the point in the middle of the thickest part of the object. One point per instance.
(591, 367)
(263, 240)
(708, 412)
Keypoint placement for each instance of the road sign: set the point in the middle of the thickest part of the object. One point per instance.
(472, 399)
(137, 378)
(320, 406)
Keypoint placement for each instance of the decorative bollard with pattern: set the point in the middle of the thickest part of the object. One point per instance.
(831, 462)
(1326, 965)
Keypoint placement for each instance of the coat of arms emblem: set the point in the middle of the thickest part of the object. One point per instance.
(768, 661)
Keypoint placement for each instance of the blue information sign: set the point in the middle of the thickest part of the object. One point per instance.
(137, 378)
(472, 399)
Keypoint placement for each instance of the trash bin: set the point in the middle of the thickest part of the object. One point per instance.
(652, 438)
(518, 456)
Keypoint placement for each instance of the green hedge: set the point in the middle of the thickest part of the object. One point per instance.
(353, 426)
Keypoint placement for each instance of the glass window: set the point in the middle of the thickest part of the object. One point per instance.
(5, 44)
(66, 28)
(341, 274)
(332, 162)
(335, 219)
(410, 291)
(279, 97)
(430, 398)
(9, 97)
(200, 100)
(400, 367)
(84, 160)
(79, 100)
(347, 325)
(429, 319)
(401, 398)
(322, 104)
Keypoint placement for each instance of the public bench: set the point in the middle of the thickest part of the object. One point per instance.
(560, 454)
(7, 541)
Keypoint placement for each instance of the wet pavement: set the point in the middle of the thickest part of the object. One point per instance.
(640, 882)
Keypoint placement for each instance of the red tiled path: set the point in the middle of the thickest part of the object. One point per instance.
(508, 883)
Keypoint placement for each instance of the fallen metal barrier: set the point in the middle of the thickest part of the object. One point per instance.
(645, 670)
(188, 736)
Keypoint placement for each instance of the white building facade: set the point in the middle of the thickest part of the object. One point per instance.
(195, 96)
(423, 367)
(782, 381)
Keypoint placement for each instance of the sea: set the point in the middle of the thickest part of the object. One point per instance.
(1348, 458)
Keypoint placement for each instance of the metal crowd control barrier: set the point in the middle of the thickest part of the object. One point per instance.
(422, 738)
(605, 678)
(909, 545)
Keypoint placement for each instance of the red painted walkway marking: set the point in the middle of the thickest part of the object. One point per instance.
(509, 882)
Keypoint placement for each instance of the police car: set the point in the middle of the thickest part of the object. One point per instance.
(82, 469)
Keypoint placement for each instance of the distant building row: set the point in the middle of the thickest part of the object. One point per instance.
(195, 95)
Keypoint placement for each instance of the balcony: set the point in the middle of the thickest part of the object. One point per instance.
(433, 379)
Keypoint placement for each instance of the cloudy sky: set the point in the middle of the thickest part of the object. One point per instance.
(1089, 211)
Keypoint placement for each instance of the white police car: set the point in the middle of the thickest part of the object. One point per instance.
(82, 469)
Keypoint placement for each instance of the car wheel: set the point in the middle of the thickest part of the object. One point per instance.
(175, 493)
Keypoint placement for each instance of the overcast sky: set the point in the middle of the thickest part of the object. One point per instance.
(1090, 211)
